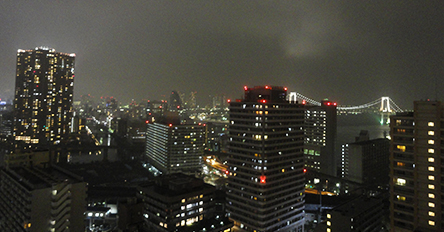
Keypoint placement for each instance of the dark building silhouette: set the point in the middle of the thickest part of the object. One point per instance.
(265, 190)
(41, 199)
(43, 97)
(175, 101)
(366, 161)
(182, 203)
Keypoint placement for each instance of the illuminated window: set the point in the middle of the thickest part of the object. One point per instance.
(328, 230)
(431, 150)
(183, 200)
(431, 214)
(328, 223)
(431, 186)
(431, 141)
(400, 164)
(431, 133)
(431, 195)
(400, 198)
(400, 182)
(431, 124)
(431, 159)
(401, 148)
(431, 169)
(432, 223)
(328, 215)
(431, 178)
(431, 205)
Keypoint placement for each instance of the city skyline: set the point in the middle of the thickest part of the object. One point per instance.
(349, 52)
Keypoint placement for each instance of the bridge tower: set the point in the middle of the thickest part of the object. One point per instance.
(385, 110)
(385, 104)
(293, 97)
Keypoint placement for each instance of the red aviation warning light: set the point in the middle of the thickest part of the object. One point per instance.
(229, 100)
(334, 103)
(267, 87)
(263, 179)
(328, 103)
(245, 88)
(264, 101)
(303, 102)
(285, 88)
(147, 121)
(171, 125)
(305, 170)
(227, 172)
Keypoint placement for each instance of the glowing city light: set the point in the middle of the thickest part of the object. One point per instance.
(263, 179)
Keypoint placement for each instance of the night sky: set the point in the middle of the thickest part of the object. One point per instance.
(352, 52)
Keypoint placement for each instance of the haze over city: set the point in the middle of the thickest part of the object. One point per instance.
(352, 52)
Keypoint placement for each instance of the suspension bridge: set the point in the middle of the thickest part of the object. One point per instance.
(384, 106)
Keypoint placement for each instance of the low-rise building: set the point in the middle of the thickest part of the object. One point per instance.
(41, 199)
(182, 203)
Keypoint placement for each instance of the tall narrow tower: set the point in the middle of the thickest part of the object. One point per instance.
(266, 181)
(43, 97)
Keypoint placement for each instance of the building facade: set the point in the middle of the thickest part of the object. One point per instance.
(41, 199)
(265, 190)
(43, 97)
(173, 148)
(320, 137)
(416, 168)
(182, 203)
(361, 214)
(366, 162)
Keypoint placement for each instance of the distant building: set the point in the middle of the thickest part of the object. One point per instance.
(41, 199)
(265, 190)
(416, 168)
(175, 101)
(217, 136)
(173, 148)
(320, 137)
(156, 110)
(366, 162)
(182, 203)
(43, 97)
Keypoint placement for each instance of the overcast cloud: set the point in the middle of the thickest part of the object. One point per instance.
(352, 51)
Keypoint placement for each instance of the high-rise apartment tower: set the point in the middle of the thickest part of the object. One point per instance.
(266, 181)
(43, 96)
(320, 137)
(416, 168)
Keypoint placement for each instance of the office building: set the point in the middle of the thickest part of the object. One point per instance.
(41, 199)
(361, 214)
(43, 97)
(366, 162)
(320, 137)
(182, 203)
(172, 147)
(265, 190)
(416, 168)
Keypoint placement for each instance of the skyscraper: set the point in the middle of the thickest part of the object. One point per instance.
(43, 96)
(173, 148)
(416, 168)
(266, 181)
(320, 137)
